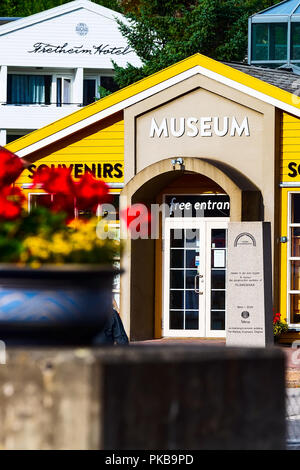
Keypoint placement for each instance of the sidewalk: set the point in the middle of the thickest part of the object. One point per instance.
(202, 341)
(292, 366)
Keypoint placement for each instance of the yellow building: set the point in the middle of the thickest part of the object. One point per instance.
(199, 131)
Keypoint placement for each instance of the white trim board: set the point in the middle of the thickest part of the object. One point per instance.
(150, 92)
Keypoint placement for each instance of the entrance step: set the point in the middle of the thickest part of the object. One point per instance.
(202, 341)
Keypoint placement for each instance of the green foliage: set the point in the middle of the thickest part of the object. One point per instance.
(163, 33)
(42, 236)
(279, 328)
(13, 233)
(103, 92)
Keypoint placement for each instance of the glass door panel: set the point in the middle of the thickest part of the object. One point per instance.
(183, 299)
(184, 260)
(63, 91)
(195, 258)
(89, 91)
(216, 273)
(67, 90)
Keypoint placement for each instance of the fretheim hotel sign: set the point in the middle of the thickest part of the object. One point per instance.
(202, 126)
(100, 49)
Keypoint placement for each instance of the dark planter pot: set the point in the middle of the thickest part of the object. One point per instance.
(53, 305)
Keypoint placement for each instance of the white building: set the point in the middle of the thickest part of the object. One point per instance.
(53, 62)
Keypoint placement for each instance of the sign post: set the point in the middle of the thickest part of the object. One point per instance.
(249, 285)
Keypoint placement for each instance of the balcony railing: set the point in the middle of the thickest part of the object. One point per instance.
(58, 105)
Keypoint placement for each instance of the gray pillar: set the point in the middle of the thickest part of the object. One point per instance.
(3, 84)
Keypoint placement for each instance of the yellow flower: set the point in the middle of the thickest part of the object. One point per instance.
(38, 247)
(80, 238)
(60, 245)
(35, 264)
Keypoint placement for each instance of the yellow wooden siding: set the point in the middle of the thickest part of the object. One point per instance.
(105, 147)
(290, 149)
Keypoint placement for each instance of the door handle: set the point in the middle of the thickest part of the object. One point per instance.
(198, 276)
(195, 284)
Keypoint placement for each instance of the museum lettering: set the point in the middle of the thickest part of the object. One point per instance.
(203, 126)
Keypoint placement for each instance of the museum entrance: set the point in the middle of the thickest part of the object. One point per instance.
(213, 199)
(194, 266)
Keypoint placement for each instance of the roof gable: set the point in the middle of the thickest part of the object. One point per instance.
(116, 102)
(58, 11)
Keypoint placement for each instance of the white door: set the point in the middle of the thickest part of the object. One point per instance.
(194, 277)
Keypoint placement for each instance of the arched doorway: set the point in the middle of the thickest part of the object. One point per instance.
(155, 288)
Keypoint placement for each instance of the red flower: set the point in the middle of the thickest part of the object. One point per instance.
(11, 200)
(276, 317)
(11, 167)
(91, 192)
(138, 220)
(55, 180)
(87, 193)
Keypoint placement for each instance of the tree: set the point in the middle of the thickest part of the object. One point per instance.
(164, 32)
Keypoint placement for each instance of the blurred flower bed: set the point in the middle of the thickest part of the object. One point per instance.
(51, 233)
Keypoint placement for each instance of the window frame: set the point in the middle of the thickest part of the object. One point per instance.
(105, 75)
(26, 73)
(18, 132)
(290, 258)
(62, 76)
(253, 45)
(95, 77)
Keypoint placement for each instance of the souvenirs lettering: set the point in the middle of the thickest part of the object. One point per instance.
(102, 49)
(294, 169)
(98, 170)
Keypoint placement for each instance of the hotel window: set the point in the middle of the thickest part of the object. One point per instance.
(295, 52)
(11, 136)
(269, 42)
(89, 91)
(63, 90)
(28, 89)
(294, 259)
(109, 84)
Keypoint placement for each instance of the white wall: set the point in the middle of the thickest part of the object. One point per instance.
(32, 117)
(61, 30)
